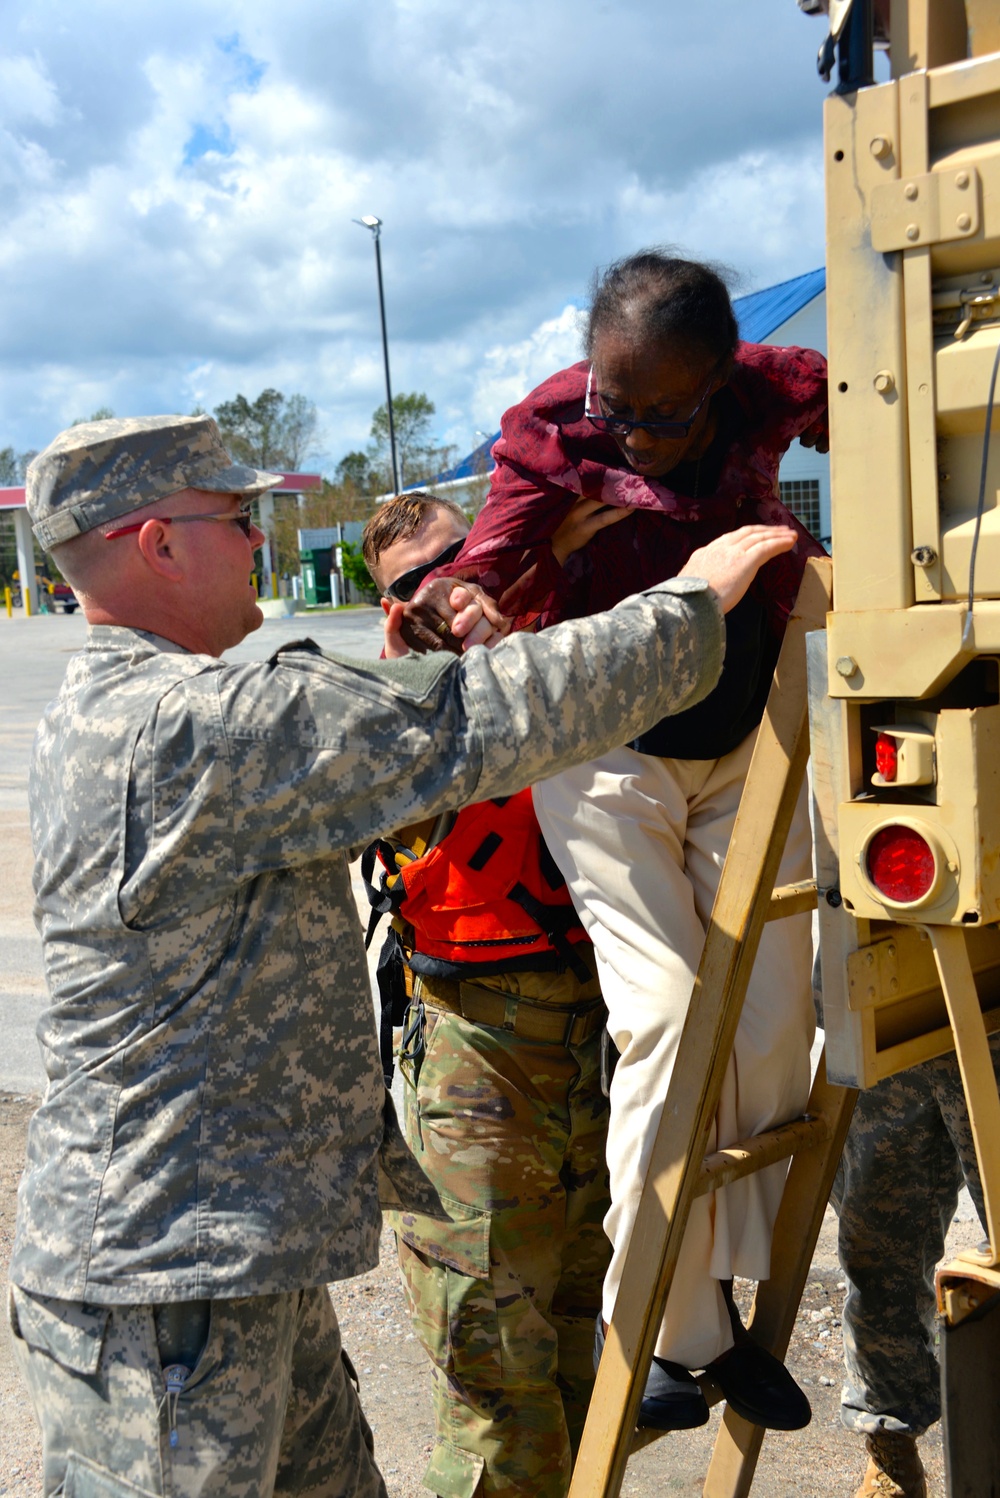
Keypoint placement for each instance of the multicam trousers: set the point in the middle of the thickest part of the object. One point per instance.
(908, 1151)
(268, 1405)
(504, 1297)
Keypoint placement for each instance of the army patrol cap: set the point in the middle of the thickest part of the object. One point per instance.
(100, 470)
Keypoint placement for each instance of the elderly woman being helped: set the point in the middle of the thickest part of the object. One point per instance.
(673, 430)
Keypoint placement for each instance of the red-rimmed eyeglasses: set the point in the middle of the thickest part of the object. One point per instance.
(242, 517)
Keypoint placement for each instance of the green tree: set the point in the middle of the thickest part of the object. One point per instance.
(103, 413)
(275, 431)
(419, 457)
(355, 469)
(299, 430)
(12, 467)
(411, 416)
(354, 569)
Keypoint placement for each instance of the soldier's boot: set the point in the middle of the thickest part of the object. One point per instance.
(894, 1468)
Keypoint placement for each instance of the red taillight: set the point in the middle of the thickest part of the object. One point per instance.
(886, 756)
(901, 864)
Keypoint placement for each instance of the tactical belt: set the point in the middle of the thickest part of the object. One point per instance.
(563, 1025)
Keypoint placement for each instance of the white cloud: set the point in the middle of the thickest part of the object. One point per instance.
(27, 93)
(509, 371)
(28, 99)
(762, 202)
(179, 184)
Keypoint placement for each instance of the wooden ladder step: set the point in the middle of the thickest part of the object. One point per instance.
(792, 899)
(748, 1156)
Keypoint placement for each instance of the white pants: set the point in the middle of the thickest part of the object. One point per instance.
(641, 842)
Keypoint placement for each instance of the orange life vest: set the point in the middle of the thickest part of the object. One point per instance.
(489, 893)
(487, 898)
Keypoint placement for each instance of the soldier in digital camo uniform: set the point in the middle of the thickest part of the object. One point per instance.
(908, 1152)
(205, 1157)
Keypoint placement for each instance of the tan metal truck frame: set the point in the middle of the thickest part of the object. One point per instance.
(909, 681)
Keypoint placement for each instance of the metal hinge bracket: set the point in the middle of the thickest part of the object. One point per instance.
(931, 209)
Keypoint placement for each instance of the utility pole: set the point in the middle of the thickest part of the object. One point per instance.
(374, 225)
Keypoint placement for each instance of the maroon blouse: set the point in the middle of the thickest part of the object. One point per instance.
(548, 455)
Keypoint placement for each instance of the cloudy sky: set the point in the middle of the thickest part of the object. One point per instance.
(178, 180)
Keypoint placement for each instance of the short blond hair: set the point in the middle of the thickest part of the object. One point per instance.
(399, 519)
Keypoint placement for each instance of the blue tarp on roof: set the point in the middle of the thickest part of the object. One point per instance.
(477, 463)
(758, 315)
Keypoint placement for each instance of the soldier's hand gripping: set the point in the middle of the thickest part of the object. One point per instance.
(730, 563)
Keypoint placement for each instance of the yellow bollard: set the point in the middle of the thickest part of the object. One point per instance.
(7, 601)
(274, 585)
(253, 583)
(27, 602)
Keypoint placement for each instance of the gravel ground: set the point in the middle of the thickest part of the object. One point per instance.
(823, 1461)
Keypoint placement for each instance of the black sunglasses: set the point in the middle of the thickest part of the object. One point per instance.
(404, 587)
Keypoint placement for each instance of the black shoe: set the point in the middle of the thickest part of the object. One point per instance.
(672, 1400)
(755, 1383)
(760, 1388)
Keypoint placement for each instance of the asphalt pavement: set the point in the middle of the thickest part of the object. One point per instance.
(33, 657)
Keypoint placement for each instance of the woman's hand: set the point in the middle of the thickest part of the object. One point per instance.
(818, 435)
(730, 563)
(445, 614)
(585, 519)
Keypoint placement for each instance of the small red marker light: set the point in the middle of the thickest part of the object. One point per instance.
(901, 864)
(886, 756)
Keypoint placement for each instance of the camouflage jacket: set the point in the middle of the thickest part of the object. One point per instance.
(214, 1108)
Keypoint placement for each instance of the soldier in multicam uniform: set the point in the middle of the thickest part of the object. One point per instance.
(908, 1152)
(504, 1107)
(205, 1157)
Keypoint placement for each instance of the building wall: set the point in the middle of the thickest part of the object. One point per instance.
(803, 466)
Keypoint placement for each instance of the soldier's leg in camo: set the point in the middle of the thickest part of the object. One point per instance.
(503, 1298)
(586, 1248)
(264, 1403)
(907, 1151)
(895, 1195)
(946, 1080)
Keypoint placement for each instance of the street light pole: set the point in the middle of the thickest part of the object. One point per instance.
(374, 225)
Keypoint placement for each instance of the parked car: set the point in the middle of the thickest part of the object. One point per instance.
(61, 596)
(51, 595)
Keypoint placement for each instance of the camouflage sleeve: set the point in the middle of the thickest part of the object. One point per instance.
(349, 749)
(266, 766)
(549, 701)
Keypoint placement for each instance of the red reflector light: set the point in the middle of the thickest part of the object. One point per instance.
(886, 756)
(900, 864)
